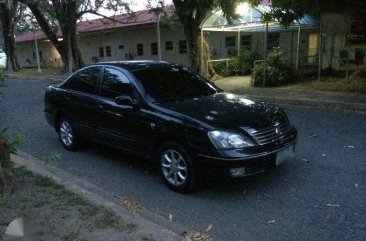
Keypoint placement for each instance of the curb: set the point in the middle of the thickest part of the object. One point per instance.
(148, 222)
(313, 103)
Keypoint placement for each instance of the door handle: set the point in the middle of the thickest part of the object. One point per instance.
(67, 98)
(100, 107)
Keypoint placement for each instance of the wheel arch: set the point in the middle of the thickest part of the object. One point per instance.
(57, 117)
(164, 138)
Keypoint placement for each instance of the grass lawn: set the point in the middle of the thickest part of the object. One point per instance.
(46, 71)
(62, 215)
(353, 85)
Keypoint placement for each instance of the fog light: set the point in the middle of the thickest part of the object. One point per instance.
(237, 172)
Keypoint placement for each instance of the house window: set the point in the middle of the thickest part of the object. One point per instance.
(230, 42)
(101, 52)
(273, 40)
(140, 49)
(121, 47)
(35, 56)
(168, 45)
(183, 48)
(154, 48)
(246, 41)
(108, 51)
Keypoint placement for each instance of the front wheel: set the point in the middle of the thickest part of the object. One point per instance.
(176, 167)
(67, 134)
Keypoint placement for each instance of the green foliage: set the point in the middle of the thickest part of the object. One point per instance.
(278, 71)
(286, 11)
(52, 157)
(238, 65)
(13, 141)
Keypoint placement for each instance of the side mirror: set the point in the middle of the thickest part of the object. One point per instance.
(125, 100)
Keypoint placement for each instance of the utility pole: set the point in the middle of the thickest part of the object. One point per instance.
(265, 55)
(37, 53)
(158, 33)
(34, 28)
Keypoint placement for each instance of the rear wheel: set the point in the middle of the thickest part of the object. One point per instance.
(67, 134)
(176, 167)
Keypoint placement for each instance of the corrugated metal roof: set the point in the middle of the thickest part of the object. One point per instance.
(119, 21)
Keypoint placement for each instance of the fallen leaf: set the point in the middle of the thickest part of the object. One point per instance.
(334, 205)
(324, 155)
(131, 205)
(349, 147)
(170, 217)
(271, 221)
(267, 195)
(356, 185)
(208, 228)
(305, 160)
(312, 136)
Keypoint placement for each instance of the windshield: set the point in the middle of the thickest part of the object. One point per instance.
(173, 83)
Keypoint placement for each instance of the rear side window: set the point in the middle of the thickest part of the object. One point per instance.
(114, 84)
(84, 81)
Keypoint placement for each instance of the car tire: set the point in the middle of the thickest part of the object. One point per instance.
(176, 167)
(67, 134)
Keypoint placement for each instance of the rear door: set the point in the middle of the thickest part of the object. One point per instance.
(80, 100)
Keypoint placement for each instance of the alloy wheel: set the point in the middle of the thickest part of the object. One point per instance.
(174, 167)
(66, 133)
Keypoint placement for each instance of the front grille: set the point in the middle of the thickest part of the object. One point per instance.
(271, 134)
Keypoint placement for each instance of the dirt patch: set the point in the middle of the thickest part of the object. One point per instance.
(60, 214)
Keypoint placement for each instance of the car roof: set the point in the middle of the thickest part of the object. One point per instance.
(137, 64)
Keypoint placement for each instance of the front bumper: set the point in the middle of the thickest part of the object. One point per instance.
(250, 161)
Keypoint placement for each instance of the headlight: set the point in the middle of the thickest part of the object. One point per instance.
(228, 140)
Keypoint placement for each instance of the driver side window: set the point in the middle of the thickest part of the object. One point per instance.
(114, 84)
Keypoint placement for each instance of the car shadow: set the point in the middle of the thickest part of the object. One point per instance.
(210, 187)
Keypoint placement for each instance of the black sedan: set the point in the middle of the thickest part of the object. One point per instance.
(169, 114)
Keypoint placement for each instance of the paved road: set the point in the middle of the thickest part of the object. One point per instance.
(323, 199)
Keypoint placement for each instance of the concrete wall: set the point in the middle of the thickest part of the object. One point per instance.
(90, 44)
(50, 57)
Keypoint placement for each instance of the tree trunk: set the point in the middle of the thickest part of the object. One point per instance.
(68, 48)
(191, 24)
(6, 169)
(8, 27)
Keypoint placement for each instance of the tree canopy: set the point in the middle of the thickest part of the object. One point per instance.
(55, 15)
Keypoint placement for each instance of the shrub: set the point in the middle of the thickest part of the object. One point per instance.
(238, 65)
(279, 72)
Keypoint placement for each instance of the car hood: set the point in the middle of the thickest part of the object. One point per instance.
(228, 111)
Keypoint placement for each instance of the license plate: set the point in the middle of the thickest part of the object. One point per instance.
(286, 154)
